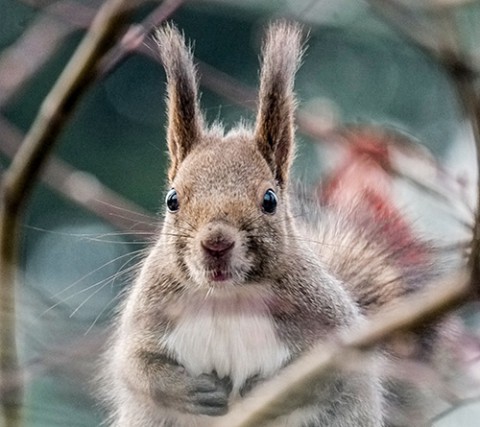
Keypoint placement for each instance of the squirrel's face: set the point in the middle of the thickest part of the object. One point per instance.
(226, 217)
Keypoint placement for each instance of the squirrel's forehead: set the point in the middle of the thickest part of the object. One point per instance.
(224, 166)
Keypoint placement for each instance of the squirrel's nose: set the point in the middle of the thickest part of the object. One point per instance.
(217, 247)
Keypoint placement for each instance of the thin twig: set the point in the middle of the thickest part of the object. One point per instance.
(270, 400)
(38, 44)
(20, 177)
(406, 20)
(136, 36)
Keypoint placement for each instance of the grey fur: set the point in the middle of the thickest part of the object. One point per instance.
(188, 345)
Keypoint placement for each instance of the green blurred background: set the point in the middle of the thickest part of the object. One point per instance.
(357, 70)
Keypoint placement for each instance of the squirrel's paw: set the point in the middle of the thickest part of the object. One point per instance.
(208, 394)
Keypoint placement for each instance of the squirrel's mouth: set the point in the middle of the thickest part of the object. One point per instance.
(226, 270)
(219, 275)
(218, 270)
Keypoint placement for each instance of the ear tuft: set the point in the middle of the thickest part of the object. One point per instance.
(185, 122)
(282, 52)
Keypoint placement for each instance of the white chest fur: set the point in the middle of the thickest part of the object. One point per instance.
(231, 332)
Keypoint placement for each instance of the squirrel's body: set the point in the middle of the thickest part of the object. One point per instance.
(235, 334)
(245, 332)
(235, 287)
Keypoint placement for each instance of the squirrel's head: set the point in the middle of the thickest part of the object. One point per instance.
(227, 209)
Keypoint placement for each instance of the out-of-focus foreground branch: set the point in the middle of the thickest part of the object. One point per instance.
(273, 398)
(20, 177)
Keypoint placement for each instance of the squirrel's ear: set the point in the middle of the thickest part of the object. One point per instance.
(274, 131)
(184, 118)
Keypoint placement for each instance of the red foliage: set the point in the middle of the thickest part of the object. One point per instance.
(364, 175)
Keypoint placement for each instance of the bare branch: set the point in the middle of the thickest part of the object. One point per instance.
(37, 44)
(26, 166)
(50, 29)
(407, 21)
(136, 35)
(270, 400)
(463, 75)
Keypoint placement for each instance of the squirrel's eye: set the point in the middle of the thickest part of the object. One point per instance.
(172, 201)
(269, 204)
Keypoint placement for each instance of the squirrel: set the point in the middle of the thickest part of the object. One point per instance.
(234, 288)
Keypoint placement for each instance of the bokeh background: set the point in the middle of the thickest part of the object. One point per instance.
(358, 70)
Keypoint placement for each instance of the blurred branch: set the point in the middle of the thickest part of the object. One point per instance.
(435, 33)
(223, 84)
(463, 75)
(20, 177)
(414, 23)
(456, 405)
(401, 156)
(57, 21)
(271, 399)
(38, 44)
(19, 62)
(59, 357)
(137, 34)
(470, 99)
(83, 189)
